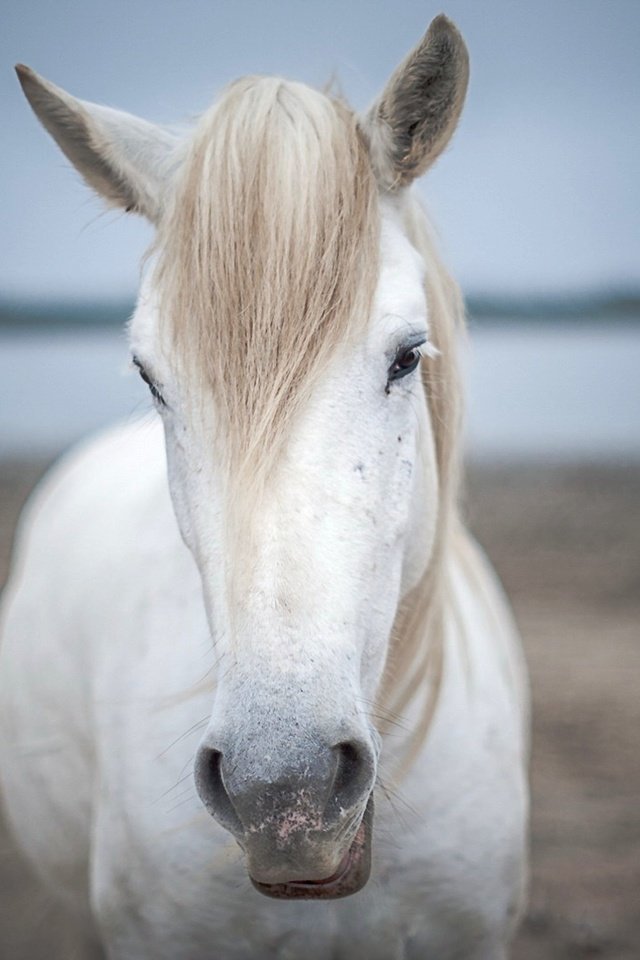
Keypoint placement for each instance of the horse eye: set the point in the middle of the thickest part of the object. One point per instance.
(407, 359)
(153, 388)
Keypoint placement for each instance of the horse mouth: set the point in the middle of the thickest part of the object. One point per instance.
(351, 875)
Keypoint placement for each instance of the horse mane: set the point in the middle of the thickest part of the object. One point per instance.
(267, 260)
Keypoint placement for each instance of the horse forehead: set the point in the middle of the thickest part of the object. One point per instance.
(401, 282)
(400, 287)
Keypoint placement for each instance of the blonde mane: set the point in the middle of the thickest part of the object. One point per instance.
(267, 260)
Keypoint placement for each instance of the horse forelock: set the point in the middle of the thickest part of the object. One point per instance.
(268, 257)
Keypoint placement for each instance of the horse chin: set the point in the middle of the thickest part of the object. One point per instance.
(350, 877)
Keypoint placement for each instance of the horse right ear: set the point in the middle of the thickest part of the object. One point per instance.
(126, 160)
(409, 126)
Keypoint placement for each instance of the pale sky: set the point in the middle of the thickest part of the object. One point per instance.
(539, 191)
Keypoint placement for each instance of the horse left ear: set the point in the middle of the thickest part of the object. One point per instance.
(128, 161)
(409, 126)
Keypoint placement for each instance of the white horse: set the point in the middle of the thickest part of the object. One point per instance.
(213, 661)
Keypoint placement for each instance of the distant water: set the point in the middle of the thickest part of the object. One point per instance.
(556, 392)
(563, 391)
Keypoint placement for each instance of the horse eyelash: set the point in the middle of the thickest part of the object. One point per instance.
(153, 387)
(428, 349)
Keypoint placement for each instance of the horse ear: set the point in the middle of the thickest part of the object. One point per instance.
(409, 126)
(125, 159)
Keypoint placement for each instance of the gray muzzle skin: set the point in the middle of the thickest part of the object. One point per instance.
(294, 806)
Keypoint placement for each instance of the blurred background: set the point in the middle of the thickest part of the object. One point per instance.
(537, 204)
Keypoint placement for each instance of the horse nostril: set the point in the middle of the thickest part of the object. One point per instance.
(322, 788)
(212, 791)
(355, 772)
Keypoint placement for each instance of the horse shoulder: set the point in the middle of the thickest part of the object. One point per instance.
(78, 566)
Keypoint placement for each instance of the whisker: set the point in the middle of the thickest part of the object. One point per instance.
(196, 726)
(174, 787)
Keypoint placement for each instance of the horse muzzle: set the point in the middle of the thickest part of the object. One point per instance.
(304, 824)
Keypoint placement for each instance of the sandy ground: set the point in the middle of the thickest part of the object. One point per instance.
(566, 541)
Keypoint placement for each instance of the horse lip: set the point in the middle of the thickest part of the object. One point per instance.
(350, 877)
